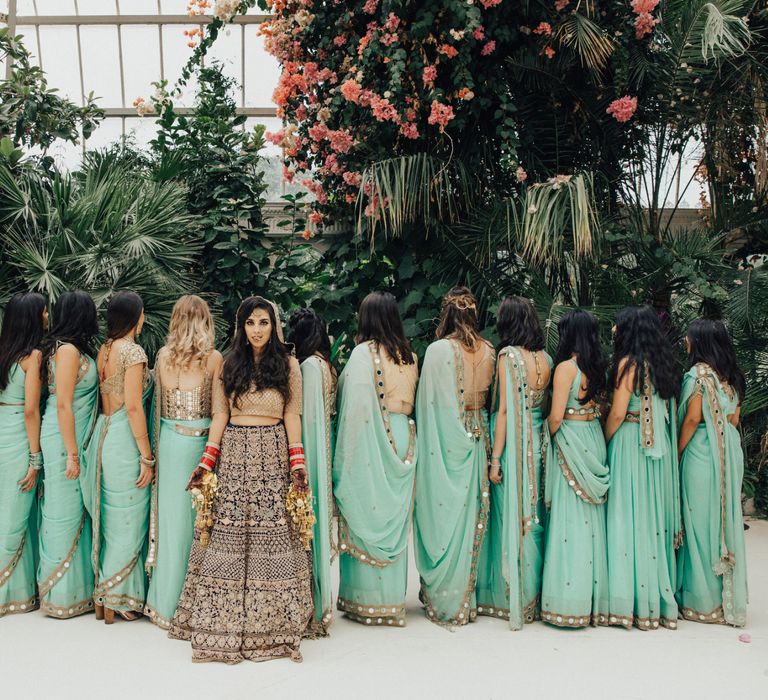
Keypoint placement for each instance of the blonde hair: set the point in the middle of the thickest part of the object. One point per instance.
(458, 317)
(190, 334)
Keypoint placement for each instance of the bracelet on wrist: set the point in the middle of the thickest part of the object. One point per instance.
(36, 460)
(148, 461)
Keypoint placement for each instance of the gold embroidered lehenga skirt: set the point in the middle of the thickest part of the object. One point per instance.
(248, 594)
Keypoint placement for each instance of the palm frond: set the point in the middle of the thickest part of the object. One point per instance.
(590, 41)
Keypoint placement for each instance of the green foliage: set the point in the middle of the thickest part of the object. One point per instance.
(104, 228)
(31, 113)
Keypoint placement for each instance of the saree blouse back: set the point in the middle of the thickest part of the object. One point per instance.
(129, 354)
(184, 394)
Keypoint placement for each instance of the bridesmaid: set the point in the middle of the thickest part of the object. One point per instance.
(65, 574)
(575, 582)
(373, 465)
(509, 583)
(643, 517)
(247, 594)
(24, 322)
(318, 377)
(184, 370)
(119, 466)
(451, 504)
(712, 562)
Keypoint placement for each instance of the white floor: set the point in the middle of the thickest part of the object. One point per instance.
(82, 659)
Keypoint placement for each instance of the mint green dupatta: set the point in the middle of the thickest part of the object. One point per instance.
(712, 560)
(318, 405)
(451, 505)
(510, 573)
(373, 471)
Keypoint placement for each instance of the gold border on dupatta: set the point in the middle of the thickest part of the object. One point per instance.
(5, 574)
(574, 621)
(465, 614)
(58, 573)
(156, 618)
(374, 614)
(714, 617)
(152, 539)
(647, 437)
(16, 607)
(345, 545)
(573, 482)
(531, 611)
(100, 590)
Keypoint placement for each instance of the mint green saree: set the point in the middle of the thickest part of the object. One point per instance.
(373, 474)
(318, 396)
(575, 580)
(712, 561)
(18, 590)
(643, 515)
(65, 574)
(509, 582)
(451, 504)
(119, 509)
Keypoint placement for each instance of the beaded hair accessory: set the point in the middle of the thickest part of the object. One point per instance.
(463, 302)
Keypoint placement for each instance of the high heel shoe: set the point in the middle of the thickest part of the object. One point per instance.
(109, 616)
(99, 610)
(129, 615)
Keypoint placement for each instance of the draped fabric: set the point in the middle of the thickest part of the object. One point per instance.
(575, 579)
(317, 436)
(65, 574)
(509, 582)
(373, 475)
(119, 511)
(643, 514)
(712, 560)
(451, 504)
(18, 555)
(178, 445)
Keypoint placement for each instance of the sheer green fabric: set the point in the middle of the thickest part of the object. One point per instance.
(575, 580)
(373, 474)
(643, 515)
(172, 519)
(18, 555)
(509, 582)
(119, 511)
(317, 436)
(65, 574)
(712, 561)
(451, 504)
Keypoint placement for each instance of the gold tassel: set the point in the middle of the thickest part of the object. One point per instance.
(298, 505)
(202, 502)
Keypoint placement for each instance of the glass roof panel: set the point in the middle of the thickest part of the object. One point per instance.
(141, 60)
(227, 49)
(107, 133)
(261, 71)
(51, 7)
(101, 64)
(174, 7)
(95, 7)
(30, 41)
(175, 55)
(58, 58)
(138, 7)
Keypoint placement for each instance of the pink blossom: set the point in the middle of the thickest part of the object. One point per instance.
(641, 7)
(351, 90)
(440, 114)
(409, 130)
(392, 23)
(561, 4)
(341, 140)
(316, 188)
(520, 174)
(288, 174)
(315, 217)
(350, 198)
(383, 110)
(489, 48)
(479, 33)
(429, 75)
(544, 28)
(318, 132)
(622, 109)
(487, 4)
(352, 178)
(388, 39)
(447, 50)
(370, 7)
(549, 52)
(275, 137)
(644, 24)
(332, 164)
(339, 40)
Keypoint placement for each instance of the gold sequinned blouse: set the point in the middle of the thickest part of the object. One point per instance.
(400, 382)
(266, 403)
(479, 367)
(129, 354)
(184, 394)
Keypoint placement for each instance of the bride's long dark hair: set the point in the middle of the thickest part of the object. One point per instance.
(241, 373)
(640, 339)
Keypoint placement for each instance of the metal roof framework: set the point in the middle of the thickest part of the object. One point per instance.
(83, 48)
